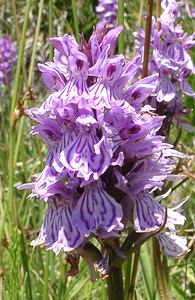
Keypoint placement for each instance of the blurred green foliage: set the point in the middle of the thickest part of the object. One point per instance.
(37, 274)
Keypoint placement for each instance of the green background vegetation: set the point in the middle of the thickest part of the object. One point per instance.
(27, 273)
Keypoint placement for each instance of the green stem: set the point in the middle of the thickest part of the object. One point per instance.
(121, 44)
(31, 69)
(166, 276)
(75, 19)
(128, 276)
(30, 77)
(179, 184)
(158, 267)
(126, 248)
(2, 212)
(15, 16)
(46, 276)
(134, 274)
(15, 21)
(63, 279)
(147, 37)
(115, 284)
(177, 138)
(50, 28)
(26, 266)
(11, 202)
(115, 278)
(140, 13)
(19, 138)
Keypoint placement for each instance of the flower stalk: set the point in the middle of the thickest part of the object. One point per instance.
(75, 19)
(158, 267)
(158, 13)
(115, 284)
(134, 274)
(121, 43)
(11, 202)
(128, 275)
(147, 38)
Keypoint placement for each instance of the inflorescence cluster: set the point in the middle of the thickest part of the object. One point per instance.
(107, 11)
(8, 58)
(107, 158)
(170, 58)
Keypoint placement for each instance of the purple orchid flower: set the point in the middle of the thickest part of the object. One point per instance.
(171, 60)
(8, 58)
(107, 11)
(100, 137)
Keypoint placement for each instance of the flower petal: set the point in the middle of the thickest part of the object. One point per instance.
(96, 209)
(81, 156)
(148, 214)
(172, 245)
(58, 231)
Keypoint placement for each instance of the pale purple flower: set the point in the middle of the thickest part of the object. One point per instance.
(170, 59)
(172, 245)
(100, 137)
(107, 11)
(58, 231)
(96, 209)
(8, 57)
(187, 9)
